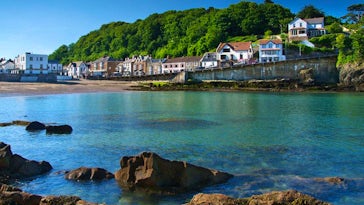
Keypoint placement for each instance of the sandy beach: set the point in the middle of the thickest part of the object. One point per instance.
(76, 86)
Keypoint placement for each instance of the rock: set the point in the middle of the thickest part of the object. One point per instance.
(35, 126)
(59, 200)
(150, 173)
(14, 166)
(84, 173)
(352, 75)
(23, 168)
(60, 129)
(13, 195)
(212, 199)
(5, 155)
(20, 122)
(289, 197)
(331, 180)
(306, 76)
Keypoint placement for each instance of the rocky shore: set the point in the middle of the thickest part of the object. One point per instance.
(147, 173)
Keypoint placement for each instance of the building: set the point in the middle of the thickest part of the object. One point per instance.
(235, 52)
(156, 66)
(175, 65)
(303, 29)
(271, 50)
(54, 67)
(29, 63)
(78, 69)
(209, 60)
(6, 66)
(104, 66)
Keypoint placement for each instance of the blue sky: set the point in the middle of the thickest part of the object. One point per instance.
(41, 26)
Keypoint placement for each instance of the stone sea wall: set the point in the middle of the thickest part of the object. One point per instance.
(324, 71)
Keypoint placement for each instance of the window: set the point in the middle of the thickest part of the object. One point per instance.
(223, 57)
(270, 45)
(41, 66)
(41, 58)
(182, 65)
(31, 58)
(176, 66)
(226, 50)
(300, 24)
(31, 66)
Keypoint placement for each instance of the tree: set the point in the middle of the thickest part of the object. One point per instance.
(355, 13)
(310, 11)
(334, 28)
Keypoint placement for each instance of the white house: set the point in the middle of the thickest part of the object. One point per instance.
(303, 29)
(235, 52)
(271, 50)
(209, 60)
(54, 67)
(29, 63)
(175, 65)
(78, 69)
(6, 66)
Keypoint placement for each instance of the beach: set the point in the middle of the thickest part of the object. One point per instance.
(75, 86)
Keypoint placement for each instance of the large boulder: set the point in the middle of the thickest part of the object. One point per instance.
(85, 173)
(59, 129)
(23, 168)
(150, 173)
(352, 75)
(35, 126)
(290, 197)
(14, 166)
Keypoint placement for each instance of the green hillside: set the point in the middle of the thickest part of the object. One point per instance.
(177, 33)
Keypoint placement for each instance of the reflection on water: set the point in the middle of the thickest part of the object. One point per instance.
(268, 141)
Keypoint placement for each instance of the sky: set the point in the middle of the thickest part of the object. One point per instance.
(42, 26)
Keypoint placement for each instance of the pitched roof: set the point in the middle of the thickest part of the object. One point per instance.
(266, 41)
(237, 46)
(315, 20)
(184, 59)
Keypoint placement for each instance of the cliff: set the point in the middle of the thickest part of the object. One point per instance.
(351, 76)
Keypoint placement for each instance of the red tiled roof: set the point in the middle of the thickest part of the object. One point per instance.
(236, 46)
(265, 41)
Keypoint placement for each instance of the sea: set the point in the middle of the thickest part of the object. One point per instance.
(268, 141)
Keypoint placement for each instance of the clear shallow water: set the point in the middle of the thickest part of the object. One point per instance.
(270, 141)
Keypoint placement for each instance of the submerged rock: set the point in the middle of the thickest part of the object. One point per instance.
(150, 173)
(59, 129)
(85, 173)
(290, 197)
(35, 126)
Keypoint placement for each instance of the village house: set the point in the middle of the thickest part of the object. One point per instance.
(155, 66)
(140, 66)
(271, 50)
(175, 65)
(104, 66)
(29, 63)
(78, 69)
(209, 60)
(54, 67)
(235, 52)
(303, 29)
(6, 66)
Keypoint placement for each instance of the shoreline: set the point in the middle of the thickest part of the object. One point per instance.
(8, 89)
(66, 87)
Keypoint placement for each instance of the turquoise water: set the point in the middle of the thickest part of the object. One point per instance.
(269, 141)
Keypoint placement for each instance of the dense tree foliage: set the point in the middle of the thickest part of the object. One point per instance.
(351, 48)
(177, 33)
(310, 11)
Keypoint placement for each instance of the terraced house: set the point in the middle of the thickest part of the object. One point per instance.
(303, 29)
